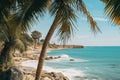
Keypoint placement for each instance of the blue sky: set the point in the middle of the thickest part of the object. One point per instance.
(110, 35)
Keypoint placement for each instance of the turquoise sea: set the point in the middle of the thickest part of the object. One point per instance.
(90, 63)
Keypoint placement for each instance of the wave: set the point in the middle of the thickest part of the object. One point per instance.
(48, 51)
(71, 73)
(67, 58)
(30, 63)
(82, 60)
(67, 72)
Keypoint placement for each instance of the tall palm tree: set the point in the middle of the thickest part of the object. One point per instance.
(26, 11)
(64, 13)
(11, 42)
(36, 36)
(112, 9)
(16, 16)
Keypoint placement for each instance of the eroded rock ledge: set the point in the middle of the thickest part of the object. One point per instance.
(27, 73)
(30, 75)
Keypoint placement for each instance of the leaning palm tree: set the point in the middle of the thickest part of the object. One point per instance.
(64, 17)
(26, 11)
(36, 36)
(112, 9)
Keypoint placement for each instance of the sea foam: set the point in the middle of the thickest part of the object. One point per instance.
(69, 72)
(66, 58)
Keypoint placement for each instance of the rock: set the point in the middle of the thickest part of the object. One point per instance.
(62, 77)
(17, 54)
(35, 57)
(28, 70)
(77, 76)
(28, 77)
(47, 58)
(51, 57)
(11, 74)
(53, 76)
(16, 74)
(72, 60)
(59, 56)
(46, 78)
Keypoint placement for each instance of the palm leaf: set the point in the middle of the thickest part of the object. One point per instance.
(4, 5)
(2, 37)
(81, 6)
(5, 28)
(18, 44)
(65, 17)
(25, 38)
(105, 1)
(112, 10)
(36, 34)
(65, 31)
(28, 13)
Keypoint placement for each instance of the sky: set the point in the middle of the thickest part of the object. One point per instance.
(109, 36)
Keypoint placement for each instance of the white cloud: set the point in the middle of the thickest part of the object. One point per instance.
(97, 19)
(81, 36)
(98, 42)
(100, 19)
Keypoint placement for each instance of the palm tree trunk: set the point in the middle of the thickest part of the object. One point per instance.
(35, 46)
(5, 50)
(44, 48)
(5, 57)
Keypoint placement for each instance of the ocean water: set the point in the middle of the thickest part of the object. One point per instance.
(90, 63)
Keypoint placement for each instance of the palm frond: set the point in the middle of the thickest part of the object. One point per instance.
(4, 27)
(81, 6)
(4, 5)
(36, 34)
(28, 13)
(112, 10)
(65, 31)
(25, 38)
(2, 37)
(65, 17)
(105, 1)
(18, 44)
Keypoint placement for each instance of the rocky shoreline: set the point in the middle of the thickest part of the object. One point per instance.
(29, 73)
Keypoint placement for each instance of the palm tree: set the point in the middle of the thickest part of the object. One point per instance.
(10, 44)
(26, 38)
(64, 13)
(36, 36)
(112, 9)
(26, 11)
(15, 19)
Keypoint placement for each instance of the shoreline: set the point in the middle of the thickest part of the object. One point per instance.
(32, 55)
(84, 71)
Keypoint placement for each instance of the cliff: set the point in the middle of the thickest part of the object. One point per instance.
(65, 46)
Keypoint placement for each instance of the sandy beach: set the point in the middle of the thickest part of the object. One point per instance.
(25, 62)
